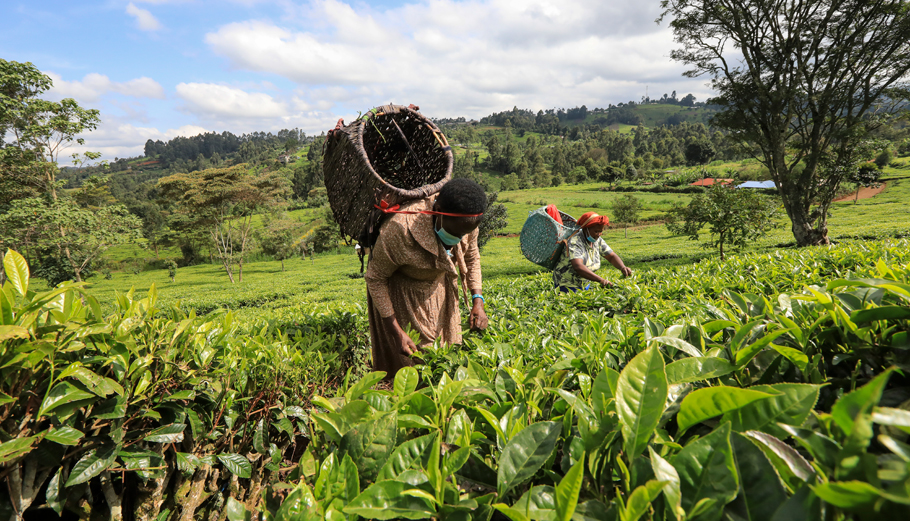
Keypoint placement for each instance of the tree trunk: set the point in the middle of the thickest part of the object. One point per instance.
(282, 265)
(240, 270)
(810, 227)
(803, 230)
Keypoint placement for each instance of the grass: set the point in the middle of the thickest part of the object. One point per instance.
(332, 279)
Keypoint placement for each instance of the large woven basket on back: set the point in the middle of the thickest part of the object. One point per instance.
(541, 235)
(394, 154)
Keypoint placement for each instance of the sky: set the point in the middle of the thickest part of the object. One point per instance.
(157, 69)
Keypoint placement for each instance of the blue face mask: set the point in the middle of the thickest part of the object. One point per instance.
(590, 239)
(447, 238)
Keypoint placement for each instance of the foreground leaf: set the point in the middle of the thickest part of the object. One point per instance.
(526, 453)
(237, 464)
(568, 489)
(791, 405)
(760, 490)
(15, 448)
(703, 404)
(91, 464)
(698, 369)
(666, 473)
(406, 456)
(387, 500)
(707, 471)
(640, 398)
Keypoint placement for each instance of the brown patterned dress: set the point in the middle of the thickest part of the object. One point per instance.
(410, 275)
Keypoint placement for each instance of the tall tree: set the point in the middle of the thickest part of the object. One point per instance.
(61, 235)
(625, 210)
(34, 132)
(223, 201)
(800, 82)
(65, 237)
(734, 217)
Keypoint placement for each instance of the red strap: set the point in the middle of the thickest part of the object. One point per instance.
(385, 208)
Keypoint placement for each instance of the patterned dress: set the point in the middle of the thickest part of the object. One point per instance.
(411, 275)
(564, 277)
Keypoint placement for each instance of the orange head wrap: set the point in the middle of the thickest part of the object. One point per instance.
(591, 218)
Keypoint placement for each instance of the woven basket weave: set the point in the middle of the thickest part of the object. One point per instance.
(541, 235)
(393, 154)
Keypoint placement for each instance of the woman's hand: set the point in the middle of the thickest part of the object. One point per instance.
(408, 347)
(478, 319)
(605, 283)
(626, 271)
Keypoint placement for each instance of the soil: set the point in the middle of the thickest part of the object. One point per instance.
(864, 193)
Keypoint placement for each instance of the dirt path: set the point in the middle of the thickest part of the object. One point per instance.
(864, 193)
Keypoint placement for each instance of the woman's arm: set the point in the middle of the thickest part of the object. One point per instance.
(478, 318)
(617, 263)
(584, 272)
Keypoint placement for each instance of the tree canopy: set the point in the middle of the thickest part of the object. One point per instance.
(799, 81)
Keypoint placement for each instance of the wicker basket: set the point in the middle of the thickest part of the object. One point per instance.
(392, 154)
(541, 235)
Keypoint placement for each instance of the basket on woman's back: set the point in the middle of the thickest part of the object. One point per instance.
(392, 154)
(542, 237)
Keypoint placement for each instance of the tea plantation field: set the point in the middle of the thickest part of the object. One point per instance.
(769, 386)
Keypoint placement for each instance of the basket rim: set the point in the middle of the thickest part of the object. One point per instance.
(406, 193)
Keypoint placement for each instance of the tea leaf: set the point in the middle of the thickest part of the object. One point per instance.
(697, 369)
(526, 453)
(238, 464)
(386, 500)
(568, 489)
(92, 464)
(640, 398)
(760, 491)
(707, 471)
(707, 403)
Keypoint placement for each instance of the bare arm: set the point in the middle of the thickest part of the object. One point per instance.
(584, 272)
(617, 263)
(478, 318)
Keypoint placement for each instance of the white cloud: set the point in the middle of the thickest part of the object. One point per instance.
(209, 100)
(462, 58)
(121, 139)
(144, 19)
(93, 86)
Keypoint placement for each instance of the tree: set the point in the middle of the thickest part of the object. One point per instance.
(223, 202)
(171, 268)
(734, 217)
(625, 210)
(34, 132)
(883, 159)
(799, 81)
(699, 152)
(866, 175)
(326, 235)
(63, 237)
(509, 182)
(495, 218)
(278, 238)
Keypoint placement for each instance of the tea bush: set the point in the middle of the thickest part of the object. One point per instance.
(757, 388)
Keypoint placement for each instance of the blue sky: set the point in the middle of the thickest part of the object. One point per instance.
(161, 68)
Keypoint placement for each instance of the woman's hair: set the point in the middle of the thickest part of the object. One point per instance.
(462, 195)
